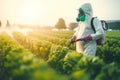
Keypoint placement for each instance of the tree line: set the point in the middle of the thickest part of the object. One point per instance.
(7, 24)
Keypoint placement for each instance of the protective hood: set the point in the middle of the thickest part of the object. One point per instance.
(87, 8)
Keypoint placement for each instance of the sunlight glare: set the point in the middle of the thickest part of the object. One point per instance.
(31, 12)
(28, 12)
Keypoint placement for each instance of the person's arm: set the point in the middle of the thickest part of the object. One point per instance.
(99, 31)
(74, 37)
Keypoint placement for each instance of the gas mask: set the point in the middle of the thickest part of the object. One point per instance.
(81, 16)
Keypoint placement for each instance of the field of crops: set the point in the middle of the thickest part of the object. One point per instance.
(47, 55)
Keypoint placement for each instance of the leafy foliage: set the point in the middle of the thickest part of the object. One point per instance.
(47, 55)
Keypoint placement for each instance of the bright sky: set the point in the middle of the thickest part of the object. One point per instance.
(47, 12)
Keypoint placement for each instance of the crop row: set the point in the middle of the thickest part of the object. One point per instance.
(17, 63)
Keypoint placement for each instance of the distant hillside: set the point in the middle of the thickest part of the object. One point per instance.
(114, 24)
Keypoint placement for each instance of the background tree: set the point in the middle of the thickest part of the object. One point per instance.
(8, 24)
(72, 25)
(0, 24)
(60, 24)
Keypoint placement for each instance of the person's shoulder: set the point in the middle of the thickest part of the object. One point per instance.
(96, 19)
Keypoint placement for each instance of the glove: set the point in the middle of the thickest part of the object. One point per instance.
(87, 38)
(73, 39)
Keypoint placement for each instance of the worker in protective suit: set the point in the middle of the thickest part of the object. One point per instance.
(85, 32)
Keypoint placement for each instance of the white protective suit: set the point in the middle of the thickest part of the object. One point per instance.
(84, 29)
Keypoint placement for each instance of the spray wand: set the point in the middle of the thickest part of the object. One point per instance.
(72, 42)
